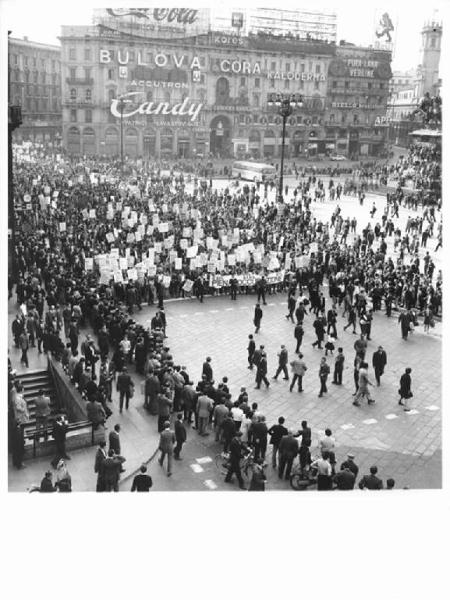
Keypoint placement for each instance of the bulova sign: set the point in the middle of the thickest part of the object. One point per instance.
(158, 60)
(186, 107)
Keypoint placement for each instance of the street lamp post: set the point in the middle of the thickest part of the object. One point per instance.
(285, 106)
(121, 105)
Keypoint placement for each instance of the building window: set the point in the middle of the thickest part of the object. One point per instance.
(369, 86)
(343, 118)
(88, 95)
(43, 63)
(34, 62)
(332, 118)
(243, 81)
(35, 77)
(381, 86)
(256, 99)
(88, 115)
(53, 65)
(302, 67)
(288, 67)
(87, 73)
(318, 68)
(355, 119)
(316, 85)
(16, 59)
(334, 84)
(87, 54)
(347, 85)
(25, 61)
(132, 55)
(257, 82)
(286, 84)
(73, 115)
(73, 73)
(73, 94)
(432, 42)
(273, 66)
(72, 54)
(110, 73)
(43, 76)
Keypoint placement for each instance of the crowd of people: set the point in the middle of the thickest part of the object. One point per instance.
(93, 245)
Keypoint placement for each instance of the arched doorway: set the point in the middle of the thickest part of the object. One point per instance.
(220, 134)
(131, 141)
(73, 141)
(112, 141)
(149, 142)
(88, 141)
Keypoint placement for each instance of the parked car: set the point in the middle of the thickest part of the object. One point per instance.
(338, 157)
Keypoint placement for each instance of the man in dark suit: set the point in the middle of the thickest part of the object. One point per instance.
(345, 479)
(180, 436)
(207, 369)
(251, 351)
(59, 434)
(379, 361)
(114, 439)
(236, 453)
(142, 482)
(288, 450)
(125, 387)
(371, 482)
(261, 372)
(98, 466)
(257, 318)
(350, 464)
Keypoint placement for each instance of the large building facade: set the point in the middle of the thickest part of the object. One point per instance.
(189, 95)
(35, 86)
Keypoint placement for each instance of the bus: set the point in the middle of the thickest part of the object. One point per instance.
(252, 171)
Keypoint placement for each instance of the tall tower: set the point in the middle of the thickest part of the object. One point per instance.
(430, 54)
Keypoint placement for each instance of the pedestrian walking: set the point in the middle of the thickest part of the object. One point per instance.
(180, 436)
(259, 433)
(363, 383)
(251, 351)
(24, 345)
(299, 369)
(282, 364)
(379, 361)
(257, 318)
(298, 335)
(351, 319)
(125, 387)
(324, 371)
(114, 439)
(291, 302)
(166, 445)
(405, 389)
(261, 372)
(320, 332)
(237, 451)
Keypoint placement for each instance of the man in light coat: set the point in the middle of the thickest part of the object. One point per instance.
(204, 408)
(166, 445)
(298, 368)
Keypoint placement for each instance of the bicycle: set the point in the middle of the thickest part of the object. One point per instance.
(222, 462)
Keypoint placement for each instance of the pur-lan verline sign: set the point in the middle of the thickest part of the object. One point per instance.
(186, 107)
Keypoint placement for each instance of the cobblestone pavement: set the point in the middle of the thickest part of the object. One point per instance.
(405, 446)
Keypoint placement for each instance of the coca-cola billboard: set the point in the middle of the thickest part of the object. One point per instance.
(154, 21)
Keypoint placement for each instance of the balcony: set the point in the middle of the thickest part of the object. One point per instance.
(78, 103)
(80, 80)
